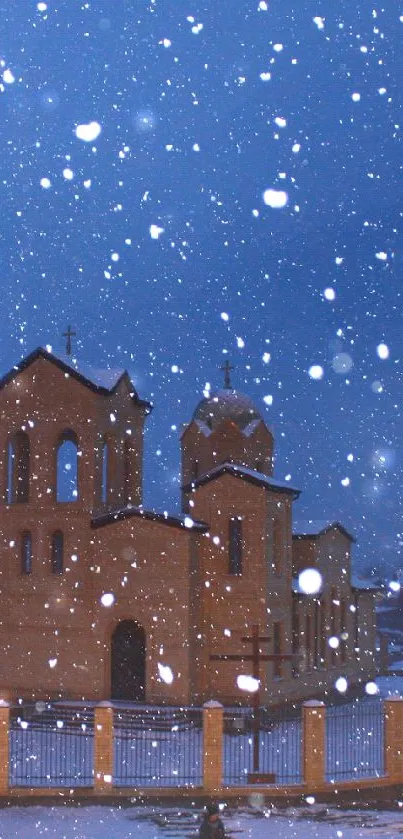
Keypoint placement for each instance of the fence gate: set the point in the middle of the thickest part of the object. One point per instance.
(159, 747)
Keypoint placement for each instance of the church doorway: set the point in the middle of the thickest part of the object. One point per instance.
(128, 662)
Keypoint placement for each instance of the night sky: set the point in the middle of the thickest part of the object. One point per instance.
(155, 241)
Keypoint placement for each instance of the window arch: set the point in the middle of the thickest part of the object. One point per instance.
(26, 552)
(18, 468)
(67, 468)
(57, 552)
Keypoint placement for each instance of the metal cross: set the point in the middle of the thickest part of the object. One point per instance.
(227, 367)
(68, 335)
(256, 657)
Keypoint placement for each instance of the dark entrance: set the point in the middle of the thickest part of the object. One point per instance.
(128, 662)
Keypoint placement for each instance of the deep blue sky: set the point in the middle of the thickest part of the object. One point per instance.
(138, 69)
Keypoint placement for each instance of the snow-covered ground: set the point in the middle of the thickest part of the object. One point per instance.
(108, 822)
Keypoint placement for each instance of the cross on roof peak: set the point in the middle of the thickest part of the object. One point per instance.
(227, 367)
(68, 335)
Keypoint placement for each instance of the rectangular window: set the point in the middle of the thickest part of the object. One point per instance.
(235, 546)
(278, 545)
(296, 628)
(26, 553)
(308, 641)
(57, 553)
(277, 649)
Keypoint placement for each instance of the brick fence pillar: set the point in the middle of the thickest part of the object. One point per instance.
(393, 738)
(4, 745)
(103, 747)
(313, 742)
(213, 724)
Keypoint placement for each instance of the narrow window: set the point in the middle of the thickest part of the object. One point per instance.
(57, 552)
(308, 641)
(343, 630)
(195, 470)
(296, 628)
(277, 649)
(278, 545)
(316, 633)
(104, 485)
(18, 457)
(26, 553)
(356, 624)
(127, 470)
(67, 468)
(235, 546)
(333, 622)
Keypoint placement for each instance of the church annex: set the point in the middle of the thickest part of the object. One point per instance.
(102, 599)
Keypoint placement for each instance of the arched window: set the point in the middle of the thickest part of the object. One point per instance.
(57, 552)
(18, 456)
(26, 553)
(67, 468)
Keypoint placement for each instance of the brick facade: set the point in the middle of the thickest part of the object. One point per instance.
(170, 583)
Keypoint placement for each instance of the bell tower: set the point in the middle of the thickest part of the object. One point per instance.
(226, 427)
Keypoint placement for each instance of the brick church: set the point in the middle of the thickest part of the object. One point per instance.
(101, 598)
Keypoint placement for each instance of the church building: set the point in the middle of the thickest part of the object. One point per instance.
(102, 598)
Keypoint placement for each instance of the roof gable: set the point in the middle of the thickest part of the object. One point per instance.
(41, 353)
(312, 529)
(242, 472)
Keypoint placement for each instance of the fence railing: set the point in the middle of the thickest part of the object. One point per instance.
(212, 750)
(355, 741)
(277, 739)
(51, 747)
(158, 747)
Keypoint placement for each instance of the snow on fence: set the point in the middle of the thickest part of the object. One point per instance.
(104, 746)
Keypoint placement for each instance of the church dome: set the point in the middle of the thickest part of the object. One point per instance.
(226, 404)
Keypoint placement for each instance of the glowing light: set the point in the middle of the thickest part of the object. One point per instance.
(188, 522)
(333, 642)
(108, 599)
(383, 351)
(155, 231)
(8, 77)
(88, 132)
(310, 581)
(371, 688)
(316, 372)
(341, 684)
(248, 683)
(329, 294)
(165, 673)
(275, 198)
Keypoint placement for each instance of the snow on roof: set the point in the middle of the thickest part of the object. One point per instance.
(181, 520)
(98, 380)
(250, 475)
(364, 583)
(317, 527)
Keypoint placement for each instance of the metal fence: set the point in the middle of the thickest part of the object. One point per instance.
(50, 746)
(278, 739)
(355, 740)
(159, 747)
